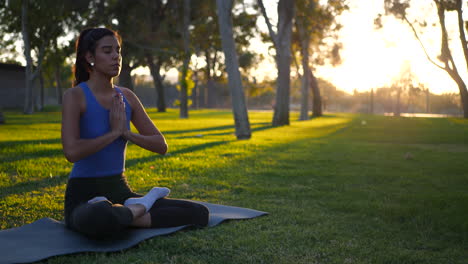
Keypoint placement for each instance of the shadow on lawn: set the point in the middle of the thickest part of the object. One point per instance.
(29, 186)
(132, 162)
(230, 130)
(21, 154)
(36, 118)
(33, 154)
(262, 126)
(4, 144)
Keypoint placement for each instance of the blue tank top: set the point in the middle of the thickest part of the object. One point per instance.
(94, 123)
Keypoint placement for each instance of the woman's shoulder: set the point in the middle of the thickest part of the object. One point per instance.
(74, 95)
(129, 94)
(132, 98)
(74, 91)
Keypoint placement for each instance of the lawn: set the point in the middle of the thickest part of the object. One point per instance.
(342, 188)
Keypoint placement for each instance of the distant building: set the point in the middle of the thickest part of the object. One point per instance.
(12, 81)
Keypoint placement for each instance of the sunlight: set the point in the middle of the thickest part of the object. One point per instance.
(373, 58)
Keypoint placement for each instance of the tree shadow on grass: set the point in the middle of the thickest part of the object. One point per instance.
(20, 154)
(17, 118)
(198, 130)
(199, 147)
(231, 131)
(29, 186)
(263, 125)
(12, 157)
(4, 144)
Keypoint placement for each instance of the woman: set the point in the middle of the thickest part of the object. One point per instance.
(96, 119)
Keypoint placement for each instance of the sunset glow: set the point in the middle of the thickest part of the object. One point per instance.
(373, 58)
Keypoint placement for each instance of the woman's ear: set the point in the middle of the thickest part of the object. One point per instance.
(89, 58)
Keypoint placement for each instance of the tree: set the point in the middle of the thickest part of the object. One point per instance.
(38, 25)
(187, 54)
(30, 73)
(156, 43)
(398, 8)
(127, 14)
(55, 70)
(282, 43)
(207, 44)
(405, 86)
(239, 107)
(304, 42)
(314, 22)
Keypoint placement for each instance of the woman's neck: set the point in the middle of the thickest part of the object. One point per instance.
(100, 84)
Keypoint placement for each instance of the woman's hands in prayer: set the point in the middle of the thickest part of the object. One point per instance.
(117, 115)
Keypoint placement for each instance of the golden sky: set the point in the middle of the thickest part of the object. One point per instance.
(373, 58)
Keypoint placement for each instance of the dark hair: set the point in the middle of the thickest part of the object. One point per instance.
(87, 42)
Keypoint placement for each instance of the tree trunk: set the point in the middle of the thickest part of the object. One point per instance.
(183, 86)
(304, 42)
(160, 90)
(2, 118)
(461, 29)
(202, 89)
(461, 84)
(427, 101)
(58, 85)
(30, 75)
(125, 77)
(316, 97)
(203, 92)
(201, 96)
(282, 42)
(211, 93)
(397, 107)
(283, 51)
(463, 91)
(41, 91)
(28, 96)
(195, 91)
(371, 111)
(239, 107)
(446, 56)
(158, 83)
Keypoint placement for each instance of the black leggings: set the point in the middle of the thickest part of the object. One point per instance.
(106, 218)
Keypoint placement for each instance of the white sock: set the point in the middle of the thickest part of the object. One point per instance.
(148, 200)
(97, 199)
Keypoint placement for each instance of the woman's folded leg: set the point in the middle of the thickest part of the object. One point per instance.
(101, 219)
(172, 212)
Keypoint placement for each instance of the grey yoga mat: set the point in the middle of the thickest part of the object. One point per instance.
(47, 237)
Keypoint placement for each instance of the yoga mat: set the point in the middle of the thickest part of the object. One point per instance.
(47, 237)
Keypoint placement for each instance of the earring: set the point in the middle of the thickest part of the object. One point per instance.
(92, 64)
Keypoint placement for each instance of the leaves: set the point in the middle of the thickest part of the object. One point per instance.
(319, 21)
(396, 7)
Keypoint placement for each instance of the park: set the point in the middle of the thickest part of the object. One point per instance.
(375, 175)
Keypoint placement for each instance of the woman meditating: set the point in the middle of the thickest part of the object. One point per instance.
(96, 119)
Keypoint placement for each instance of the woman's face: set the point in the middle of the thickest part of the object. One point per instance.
(107, 57)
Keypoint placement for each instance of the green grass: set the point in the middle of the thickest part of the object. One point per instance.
(338, 190)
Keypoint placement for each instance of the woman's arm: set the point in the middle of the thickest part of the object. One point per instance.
(76, 148)
(148, 136)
